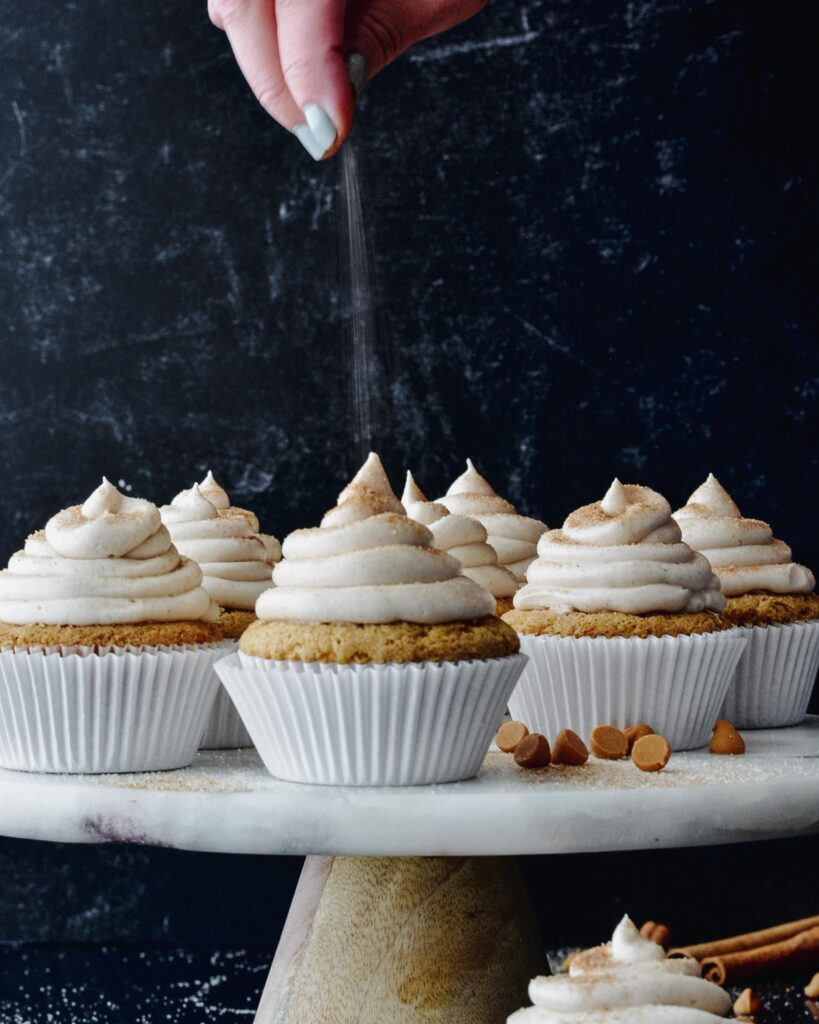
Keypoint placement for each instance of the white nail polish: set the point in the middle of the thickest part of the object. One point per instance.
(308, 140)
(323, 129)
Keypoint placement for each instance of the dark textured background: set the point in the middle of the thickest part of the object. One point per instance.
(594, 232)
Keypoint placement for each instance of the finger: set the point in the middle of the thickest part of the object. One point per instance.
(311, 38)
(380, 30)
(251, 30)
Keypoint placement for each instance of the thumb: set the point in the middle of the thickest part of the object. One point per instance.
(380, 30)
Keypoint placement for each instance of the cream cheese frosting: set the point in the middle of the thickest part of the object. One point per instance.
(629, 979)
(236, 560)
(369, 562)
(622, 554)
(107, 561)
(462, 537)
(743, 553)
(514, 537)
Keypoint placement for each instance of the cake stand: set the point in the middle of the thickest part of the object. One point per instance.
(411, 908)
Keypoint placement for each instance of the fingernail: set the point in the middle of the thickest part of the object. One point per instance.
(357, 70)
(308, 140)
(323, 129)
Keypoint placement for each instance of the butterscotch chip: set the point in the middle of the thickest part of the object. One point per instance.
(747, 1002)
(651, 753)
(812, 987)
(726, 740)
(533, 751)
(569, 749)
(509, 735)
(567, 963)
(609, 743)
(634, 732)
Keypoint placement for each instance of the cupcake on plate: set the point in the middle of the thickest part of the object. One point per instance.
(107, 644)
(770, 596)
(465, 539)
(375, 661)
(514, 537)
(621, 621)
(237, 563)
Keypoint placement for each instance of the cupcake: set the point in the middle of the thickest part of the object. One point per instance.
(465, 539)
(770, 596)
(375, 661)
(629, 979)
(621, 621)
(514, 537)
(107, 644)
(237, 562)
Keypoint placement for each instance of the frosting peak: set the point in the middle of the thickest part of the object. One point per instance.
(412, 492)
(192, 504)
(629, 946)
(629, 979)
(462, 537)
(744, 553)
(369, 562)
(216, 495)
(514, 537)
(107, 525)
(471, 482)
(616, 499)
(712, 497)
(622, 554)
(109, 560)
(236, 559)
(368, 494)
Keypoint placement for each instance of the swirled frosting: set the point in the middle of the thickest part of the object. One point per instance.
(462, 537)
(107, 561)
(369, 562)
(236, 560)
(622, 554)
(514, 537)
(743, 553)
(626, 981)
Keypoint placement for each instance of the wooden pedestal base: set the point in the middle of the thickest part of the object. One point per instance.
(404, 940)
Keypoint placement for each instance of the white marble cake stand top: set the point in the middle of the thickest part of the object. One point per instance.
(227, 802)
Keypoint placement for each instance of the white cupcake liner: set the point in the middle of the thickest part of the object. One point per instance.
(225, 729)
(371, 725)
(116, 709)
(775, 676)
(675, 684)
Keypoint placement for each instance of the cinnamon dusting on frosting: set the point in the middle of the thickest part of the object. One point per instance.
(743, 552)
(369, 563)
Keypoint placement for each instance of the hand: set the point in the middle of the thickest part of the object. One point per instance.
(294, 53)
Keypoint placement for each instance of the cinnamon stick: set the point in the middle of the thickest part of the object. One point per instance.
(749, 940)
(800, 950)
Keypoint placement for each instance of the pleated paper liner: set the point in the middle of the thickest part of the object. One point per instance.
(775, 676)
(675, 684)
(225, 729)
(118, 709)
(371, 725)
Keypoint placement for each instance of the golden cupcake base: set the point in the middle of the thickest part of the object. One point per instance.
(760, 608)
(543, 622)
(234, 621)
(346, 643)
(136, 634)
